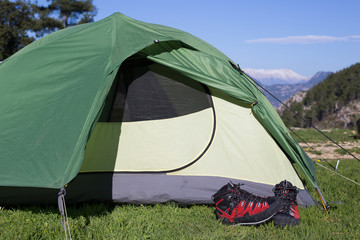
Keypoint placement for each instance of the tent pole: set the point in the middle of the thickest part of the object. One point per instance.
(323, 201)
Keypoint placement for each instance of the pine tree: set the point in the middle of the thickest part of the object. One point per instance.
(16, 20)
(72, 12)
(21, 21)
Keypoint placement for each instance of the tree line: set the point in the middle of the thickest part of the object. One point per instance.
(325, 98)
(22, 22)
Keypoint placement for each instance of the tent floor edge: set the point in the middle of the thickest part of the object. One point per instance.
(139, 189)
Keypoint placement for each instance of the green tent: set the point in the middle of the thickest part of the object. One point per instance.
(148, 112)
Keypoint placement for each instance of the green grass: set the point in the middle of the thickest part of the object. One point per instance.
(310, 135)
(171, 221)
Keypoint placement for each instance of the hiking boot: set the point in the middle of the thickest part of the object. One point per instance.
(289, 213)
(237, 206)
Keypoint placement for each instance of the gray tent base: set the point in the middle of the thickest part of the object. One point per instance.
(137, 189)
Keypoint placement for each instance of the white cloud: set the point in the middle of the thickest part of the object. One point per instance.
(308, 39)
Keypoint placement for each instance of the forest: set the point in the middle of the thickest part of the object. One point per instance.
(322, 102)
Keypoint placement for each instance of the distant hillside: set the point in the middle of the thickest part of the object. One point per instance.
(296, 98)
(334, 102)
(285, 91)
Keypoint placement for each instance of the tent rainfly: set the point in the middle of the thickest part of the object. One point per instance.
(126, 111)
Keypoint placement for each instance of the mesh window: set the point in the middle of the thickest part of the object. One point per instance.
(144, 94)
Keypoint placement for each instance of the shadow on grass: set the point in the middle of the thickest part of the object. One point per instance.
(74, 210)
(90, 209)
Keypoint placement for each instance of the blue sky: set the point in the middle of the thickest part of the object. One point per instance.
(304, 36)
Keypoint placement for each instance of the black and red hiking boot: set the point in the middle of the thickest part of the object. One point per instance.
(289, 213)
(237, 206)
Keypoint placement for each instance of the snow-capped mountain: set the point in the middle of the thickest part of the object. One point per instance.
(276, 76)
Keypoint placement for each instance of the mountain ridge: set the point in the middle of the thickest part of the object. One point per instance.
(285, 91)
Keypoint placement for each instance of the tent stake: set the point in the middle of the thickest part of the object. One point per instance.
(337, 164)
(62, 208)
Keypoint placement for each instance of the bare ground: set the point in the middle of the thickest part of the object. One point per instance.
(327, 150)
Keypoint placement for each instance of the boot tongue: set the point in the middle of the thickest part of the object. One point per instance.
(286, 191)
(287, 184)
